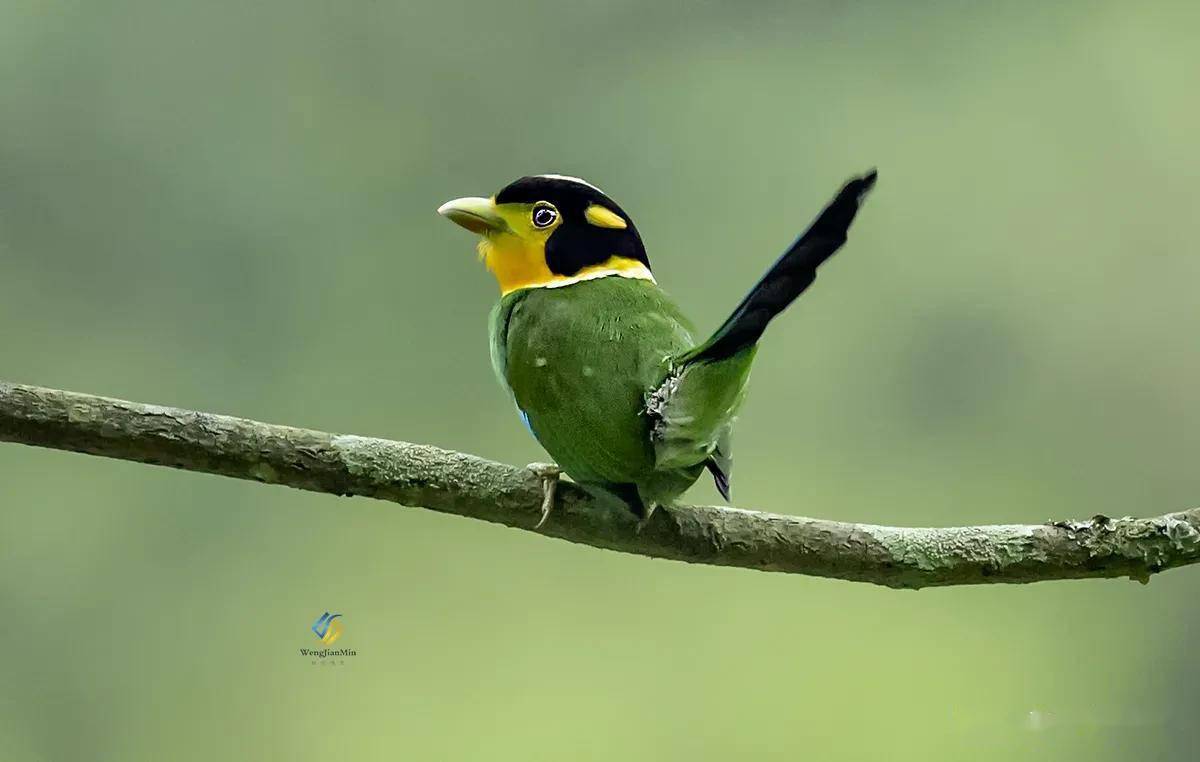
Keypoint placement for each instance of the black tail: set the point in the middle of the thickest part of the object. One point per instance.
(789, 276)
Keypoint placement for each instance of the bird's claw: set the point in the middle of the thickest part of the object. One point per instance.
(645, 519)
(548, 473)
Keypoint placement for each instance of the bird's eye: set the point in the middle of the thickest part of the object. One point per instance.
(544, 216)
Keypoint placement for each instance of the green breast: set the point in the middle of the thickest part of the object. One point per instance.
(580, 360)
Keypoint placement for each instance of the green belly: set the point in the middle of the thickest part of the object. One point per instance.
(580, 361)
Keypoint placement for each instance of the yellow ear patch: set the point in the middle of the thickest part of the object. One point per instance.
(604, 218)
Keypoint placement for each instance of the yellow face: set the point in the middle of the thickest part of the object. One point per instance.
(514, 237)
(516, 252)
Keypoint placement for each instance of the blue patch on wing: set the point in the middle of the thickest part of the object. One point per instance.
(525, 420)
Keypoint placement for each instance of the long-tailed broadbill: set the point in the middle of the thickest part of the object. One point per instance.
(602, 365)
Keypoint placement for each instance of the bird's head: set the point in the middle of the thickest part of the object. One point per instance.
(546, 231)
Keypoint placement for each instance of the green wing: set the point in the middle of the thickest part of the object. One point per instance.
(695, 409)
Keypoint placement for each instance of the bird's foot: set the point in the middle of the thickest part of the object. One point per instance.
(548, 473)
(644, 519)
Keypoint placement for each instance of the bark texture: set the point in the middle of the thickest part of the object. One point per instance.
(453, 482)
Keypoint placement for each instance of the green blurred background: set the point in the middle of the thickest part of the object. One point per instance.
(229, 207)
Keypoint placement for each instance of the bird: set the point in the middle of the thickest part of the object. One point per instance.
(601, 363)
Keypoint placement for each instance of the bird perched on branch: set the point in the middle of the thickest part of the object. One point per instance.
(601, 363)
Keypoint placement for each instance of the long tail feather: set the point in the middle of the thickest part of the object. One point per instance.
(788, 277)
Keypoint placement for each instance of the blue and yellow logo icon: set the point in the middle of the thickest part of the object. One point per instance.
(327, 628)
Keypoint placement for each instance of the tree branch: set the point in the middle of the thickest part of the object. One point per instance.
(453, 482)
